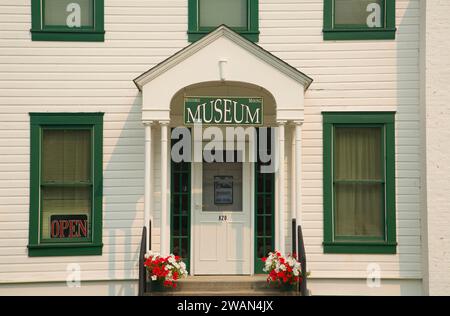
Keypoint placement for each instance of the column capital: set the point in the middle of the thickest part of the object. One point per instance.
(164, 123)
(281, 122)
(298, 123)
(147, 123)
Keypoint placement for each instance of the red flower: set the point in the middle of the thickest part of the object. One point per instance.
(263, 259)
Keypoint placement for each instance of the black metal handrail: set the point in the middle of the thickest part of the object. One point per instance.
(302, 255)
(298, 247)
(143, 288)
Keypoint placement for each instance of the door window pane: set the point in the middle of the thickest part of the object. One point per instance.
(213, 13)
(222, 187)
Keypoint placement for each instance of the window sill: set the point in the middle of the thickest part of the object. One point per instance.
(364, 34)
(55, 250)
(252, 36)
(65, 36)
(360, 247)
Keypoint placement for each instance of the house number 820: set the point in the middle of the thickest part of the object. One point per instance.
(222, 218)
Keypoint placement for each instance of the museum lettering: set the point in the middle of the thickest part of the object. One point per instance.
(244, 111)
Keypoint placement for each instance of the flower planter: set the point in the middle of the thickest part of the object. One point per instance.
(156, 286)
(163, 272)
(283, 272)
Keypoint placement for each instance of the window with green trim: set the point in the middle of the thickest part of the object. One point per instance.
(239, 15)
(264, 202)
(359, 19)
(180, 205)
(359, 182)
(67, 20)
(66, 184)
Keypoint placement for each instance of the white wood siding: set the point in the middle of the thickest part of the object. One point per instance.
(66, 77)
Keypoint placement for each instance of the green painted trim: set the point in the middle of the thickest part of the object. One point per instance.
(93, 121)
(65, 250)
(251, 33)
(39, 32)
(355, 244)
(332, 32)
(360, 249)
(359, 35)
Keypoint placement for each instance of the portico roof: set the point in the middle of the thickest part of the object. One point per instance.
(223, 31)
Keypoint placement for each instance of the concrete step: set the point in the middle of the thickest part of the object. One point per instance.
(224, 286)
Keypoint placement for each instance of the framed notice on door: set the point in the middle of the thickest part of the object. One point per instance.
(223, 190)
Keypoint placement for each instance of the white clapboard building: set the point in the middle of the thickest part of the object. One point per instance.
(224, 128)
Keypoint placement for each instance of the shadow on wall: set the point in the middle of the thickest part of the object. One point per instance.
(409, 244)
(123, 190)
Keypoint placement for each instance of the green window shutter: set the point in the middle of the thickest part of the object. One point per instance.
(66, 182)
(240, 15)
(67, 20)
(359, 19)
(359, 182)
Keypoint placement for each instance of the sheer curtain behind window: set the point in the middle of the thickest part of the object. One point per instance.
(213, 13)
(358, 182)
(66, 175)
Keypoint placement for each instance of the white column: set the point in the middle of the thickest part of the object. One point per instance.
(148, 180)
(165, 228)
(291, 172)
(298, 171)
(281, 188)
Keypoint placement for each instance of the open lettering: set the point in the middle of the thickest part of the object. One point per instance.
(68, 228)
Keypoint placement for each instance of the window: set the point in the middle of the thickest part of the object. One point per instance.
(359, 182)
(239, 15)
(264, 202)
(359, 19)
(67, 20)
(66, 184)
(180, 206)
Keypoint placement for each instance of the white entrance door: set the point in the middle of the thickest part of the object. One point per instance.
(222, 201)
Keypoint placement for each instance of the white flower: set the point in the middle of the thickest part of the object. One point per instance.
(283, 267)
(154, 277)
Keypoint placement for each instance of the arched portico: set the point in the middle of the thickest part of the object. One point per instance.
(222, 60)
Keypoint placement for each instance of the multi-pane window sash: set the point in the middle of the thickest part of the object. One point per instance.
(66, 184)
(359, 182)
(359, 19)
(240, 15)
(67, 20)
